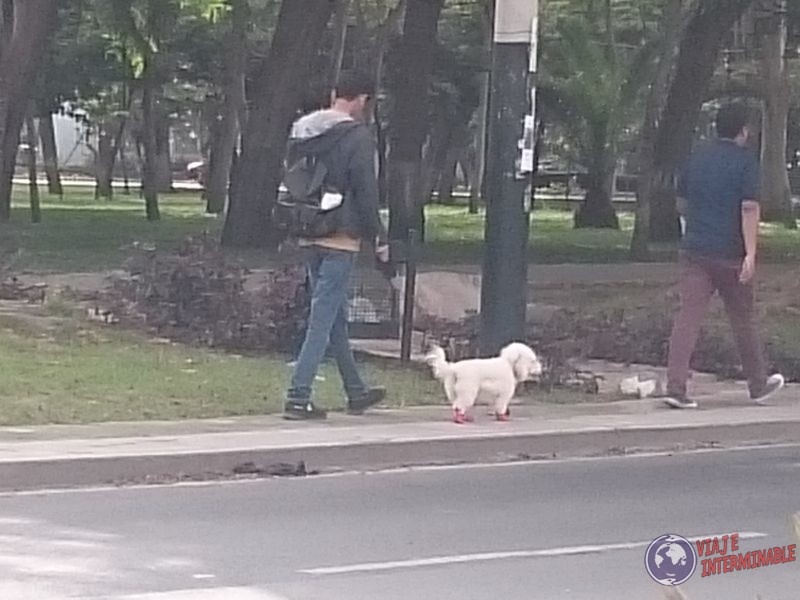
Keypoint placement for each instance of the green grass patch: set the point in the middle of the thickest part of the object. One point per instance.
(80, 233)
(55, 370)
(453, 236)
(55, 367)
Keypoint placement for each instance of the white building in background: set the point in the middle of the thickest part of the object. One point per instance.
(73, 153)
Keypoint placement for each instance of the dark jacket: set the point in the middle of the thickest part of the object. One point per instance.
(348, 151)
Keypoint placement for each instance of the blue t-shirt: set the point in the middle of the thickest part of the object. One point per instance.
(716, 179)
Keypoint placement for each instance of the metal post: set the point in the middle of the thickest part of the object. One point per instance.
(503, 289)
(407, 333)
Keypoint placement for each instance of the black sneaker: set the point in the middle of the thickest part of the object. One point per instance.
(357, 405)
(303, 410)
(774, 384)
(679, 402)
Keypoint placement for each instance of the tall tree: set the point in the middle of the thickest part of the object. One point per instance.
(410, 74)
(73, 60)
(278, 87)
(27, 26)
(677, 14)
(47, 134)
(340, 25)
(31, 137)
(86, 75)
(698, 55)
(460, 62)
(593, 87)
(776, 193)
(226, 126)
(481, 116)
(371, 57)
(146, 28)
(108, 124)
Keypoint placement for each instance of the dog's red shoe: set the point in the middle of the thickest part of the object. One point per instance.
(506, 416)
(460, 417)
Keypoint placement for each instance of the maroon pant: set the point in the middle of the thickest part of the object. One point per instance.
(701, 277)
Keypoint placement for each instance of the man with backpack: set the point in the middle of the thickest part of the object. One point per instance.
(331, 206)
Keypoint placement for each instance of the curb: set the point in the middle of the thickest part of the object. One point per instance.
(208, 465)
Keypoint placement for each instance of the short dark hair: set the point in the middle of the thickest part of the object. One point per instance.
(353, 84)
(315, 99)
(731, 120)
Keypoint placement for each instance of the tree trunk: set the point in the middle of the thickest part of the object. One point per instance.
(149, 139)
(674, 25)
(110, 135)
(123, 161)
(481, 134)
(222, 143)
(447, 179)
(104, 162)
(435, 156)
(47, 134)
(23, 46)
(340, 41)
(597, 209)
(137, 148)
(776, 193)
(389, 25)
(279, 85)
(6, 20)
(225, 128)
(163, 156)
(33, 175)
(697, 59)
(383, 182)
(409, 127)
(472, 170)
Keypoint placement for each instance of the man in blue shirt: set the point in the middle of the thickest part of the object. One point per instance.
(718, 193)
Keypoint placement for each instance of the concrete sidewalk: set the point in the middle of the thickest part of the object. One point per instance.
(65, 456)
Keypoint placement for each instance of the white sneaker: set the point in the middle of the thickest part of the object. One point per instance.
(679, 402)
(774, 385)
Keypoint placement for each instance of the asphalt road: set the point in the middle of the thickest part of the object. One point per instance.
(494, 532)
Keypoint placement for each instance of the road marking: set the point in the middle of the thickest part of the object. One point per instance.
(488, 556)
(222, 593)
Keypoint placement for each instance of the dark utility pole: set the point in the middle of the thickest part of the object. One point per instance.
(508, 174)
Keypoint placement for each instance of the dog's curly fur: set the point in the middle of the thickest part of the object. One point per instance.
(493, 378)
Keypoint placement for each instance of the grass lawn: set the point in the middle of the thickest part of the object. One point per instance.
(80, 233)
(56, 369)
(454, 236)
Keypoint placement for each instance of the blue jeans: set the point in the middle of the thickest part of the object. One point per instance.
(329, 275)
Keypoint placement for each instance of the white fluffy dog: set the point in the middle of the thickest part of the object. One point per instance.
(493, 378)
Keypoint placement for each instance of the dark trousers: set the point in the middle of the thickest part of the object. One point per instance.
(700, 279)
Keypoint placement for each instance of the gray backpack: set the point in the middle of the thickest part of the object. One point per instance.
(308, 206)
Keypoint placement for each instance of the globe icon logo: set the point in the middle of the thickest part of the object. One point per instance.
(671, 559)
